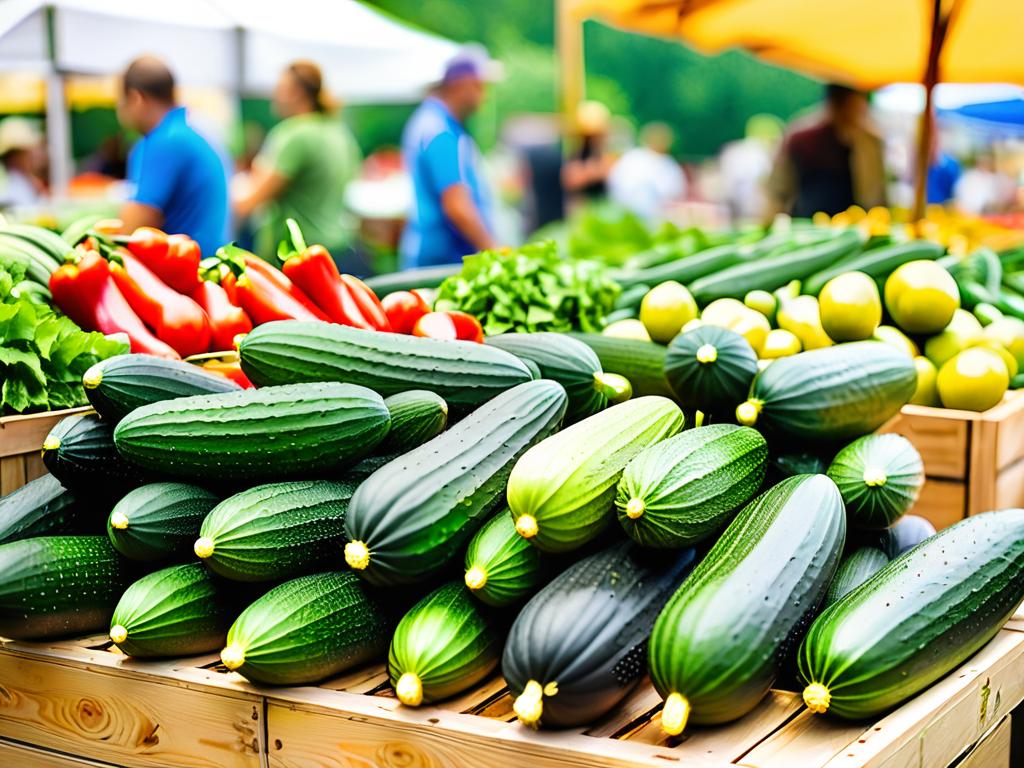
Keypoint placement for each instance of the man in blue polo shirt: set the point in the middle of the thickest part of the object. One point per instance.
(178, 181)
(451, 214)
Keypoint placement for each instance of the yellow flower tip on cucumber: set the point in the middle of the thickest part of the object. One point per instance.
(93, 377)
(747, 413)
(529, 705)
(409, 689)
(51, 444)
(874, 477)
(119, 520)
(674, 714)
(635, 508)
(616, 388)
(237, 339)
(232, 656)
(357, 555)
(476, 577)
(526, 526)
(707, 353)
(203, 547)
(817, 698)
(118, 633)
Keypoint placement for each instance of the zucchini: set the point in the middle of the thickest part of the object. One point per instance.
(80, 452)
(308, 629)
(880, 477)
(443, 646)
(42, 507)
(854, 569)
(501, 566)
(464, 373)
(411, 279)
(413, 515)
(718, 645)
(917, 619)
(830, 394)
(416, 417)
(120, 384)
(562, 491)
(683, 490)
(580, 644)
(710, 369)
(159, 521)
(52, 586)
(261, 434)
(689, 268)
(641, 362)
(275, 531)
(877, 263)
(177, 611)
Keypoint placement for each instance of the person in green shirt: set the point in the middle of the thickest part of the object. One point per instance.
(302, 170)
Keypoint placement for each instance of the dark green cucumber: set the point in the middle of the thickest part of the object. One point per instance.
(412, 516)
(854, 569)
(917, 619)
(718, 646)
(416, 417)
(877, 262)
(410, 279)
(52, 586)
(501, 566)
(681, 491)
(159, 521)
(177, 611)
(266, 434)
(42, 507)
(907, 533)
(630, 298)
(641, 362)
(710, 369)
(689, 268)
(80, 452)
(880, 477)
(835, 393)
(465, 374)
(121, 384)
(443, 646)
(580, 644)
(275, 531)
(571, 363)
(308, 629)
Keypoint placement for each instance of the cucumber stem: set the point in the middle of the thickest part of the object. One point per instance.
(476, 577)
(92, 377)
(747, 412)
(707, 353)
(635, 508)
(526, 526)
(118, 520)
(817, 698)
(118, 633)
(409, 689)
(529, 705)
(674, 714)
(357, 555)
(233, 656)
(51, 444)
(203, 547)
(874, 477)
(616, 388)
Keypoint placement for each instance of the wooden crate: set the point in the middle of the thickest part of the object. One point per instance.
(21, 438)
(974, 462)
(90, 705)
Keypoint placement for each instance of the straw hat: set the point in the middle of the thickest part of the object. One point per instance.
(18, 133)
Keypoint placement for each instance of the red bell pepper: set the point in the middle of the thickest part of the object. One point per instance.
(226, 320)
(452, 326)
(176, 319)
(149, 244)
(86, 292)
(265, 301)
(229, 370)
(341, 299)
(403, 309)
(277, 278)
(367, 302)
(181, 268)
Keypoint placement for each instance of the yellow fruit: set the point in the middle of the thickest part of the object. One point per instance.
(851, 308)
(754, 327)
(1008, 331)
(927, 393)
(944, 346)
(802, 318)
(896, 338)
(965, 324)
(695, 323)
(763, 302)
(627, 329)
(1011, 362)
(721, 312)
(974, 380)
(665, 309)
(779, 343)
(921, 297)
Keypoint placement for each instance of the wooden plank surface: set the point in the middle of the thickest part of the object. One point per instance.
(1010, 486)
(25, 434)
(942, 502)
(993, 751)
(14, 755)
(12, 474)
(941, 437)
(1009, 416)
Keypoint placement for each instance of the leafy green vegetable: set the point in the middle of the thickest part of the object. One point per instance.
(530, 289)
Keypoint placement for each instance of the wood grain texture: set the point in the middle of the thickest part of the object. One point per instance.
(1009, 416)
(15, 755)
(942, 502)
(1010, 486)
(941, 437)
(25, 434)
(993, 751)
(12, 474)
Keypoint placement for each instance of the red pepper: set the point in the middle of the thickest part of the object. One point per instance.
(403, 309)
(228, 282)
(368, 303)
(229, 370)
(176, 319)
(181, 268)
(226, 320)
(315, 273)
(87, 294)
(149, 244)
(451, 326)
(264, 300)
(276, 277)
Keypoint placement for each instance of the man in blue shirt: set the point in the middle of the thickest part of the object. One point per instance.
(451, 214)
(178, 181)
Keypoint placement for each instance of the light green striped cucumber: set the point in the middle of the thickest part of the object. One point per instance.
(562, 491)
(856, 568)
(416, 417)
(880, 477)
(501, 566)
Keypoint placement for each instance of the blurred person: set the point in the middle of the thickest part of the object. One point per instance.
(832, 163)
(21, 152)
(982, 189)
(943, 175)
(586, 169)
(745, 166)
(178, 180)
(647, 179)
(452, 213)
(302, 171)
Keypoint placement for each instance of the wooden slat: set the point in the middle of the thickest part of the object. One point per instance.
(942, 502)
(940, 435)
(23, 756)
(1009, 415)
(34, 466)
(643, 699)
(981, 484)
(12, 474)
(1010, 486)
(993, 751)
(25, 434)
(362, 680)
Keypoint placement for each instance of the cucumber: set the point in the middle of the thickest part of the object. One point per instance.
(275, 531)
(464, 373)
(159, 521)
(562, 491)
(718, 645)
(501, 566)
(52, 586)
(580, 644)
(683, 490)
(876, 263)
(569, 362)
(260, 434)
(413, 515)
(854, 569)
(308, 629)
(689, 268)
(443, 646)
(830, 394)
(416, 417)
(880, 477)
(120, 384)
(630, 299)
(80, 452)
(710, 369)
(641, 362)
(411, 279)
(917, 619)
(178, 611)
(42, 507)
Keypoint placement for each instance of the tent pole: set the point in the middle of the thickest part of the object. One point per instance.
(569, 39)
(58, 128)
